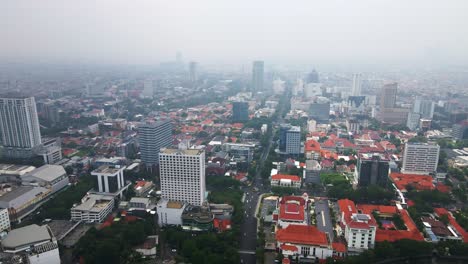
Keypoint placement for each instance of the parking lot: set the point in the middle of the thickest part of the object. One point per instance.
(323, 218)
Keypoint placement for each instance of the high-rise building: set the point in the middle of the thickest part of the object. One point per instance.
(424, 107)
(320, 110)
(182, 175)
(460, 130)
(372, 169)
(290, 139)
(240, 111)
(357, 83)
(388, 96)
(420, 158)
(193, 74)
(19, 126)
(278, 86)
(413, 120)
(148, 90)
(312, 77)
(152, 137)
(258, 75)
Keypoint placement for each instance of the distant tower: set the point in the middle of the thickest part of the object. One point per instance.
(357, 81)
(420, 158)
(152, 137)
(148, 88)
(312, 77)
(388, 96)
(19, 126)
(182, 175)
(193, 71)
(240, 111)
(258, 73)
(179, 57)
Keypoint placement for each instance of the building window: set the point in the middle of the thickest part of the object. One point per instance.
(305, 251)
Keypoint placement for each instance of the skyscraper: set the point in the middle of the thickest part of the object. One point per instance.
(240, 111)
(312, 77)
(357, 81)
(372, 169)
(193, 75)
(152, 137)
(388, 96)
(420, 158)
(424, 107)
(290, 139)
(19, 126)
(148, 88)
(258, 73)
(182, 174)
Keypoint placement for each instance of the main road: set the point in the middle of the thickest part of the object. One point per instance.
(248, 229)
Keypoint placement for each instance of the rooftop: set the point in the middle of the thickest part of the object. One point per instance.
(419, 182)
(27, 235)
(106, 169)
(171, 151)
(302, 234)
(286, 177)
(94, 202)
(47, 172)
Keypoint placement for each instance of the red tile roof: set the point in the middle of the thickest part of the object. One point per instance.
(288, 247)
(311, 145)
(302, 234)
(339, 247)
(453, 222)
(286, 177)
(286, 261)
(419, 182)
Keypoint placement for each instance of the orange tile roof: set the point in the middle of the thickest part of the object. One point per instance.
(419, 182)
(339, 247)
(286, 177)
(301, 234)
(312, 145)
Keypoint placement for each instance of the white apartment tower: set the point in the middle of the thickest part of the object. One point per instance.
(182, 175)
(19, 126)
(357, 80)
(420, 158)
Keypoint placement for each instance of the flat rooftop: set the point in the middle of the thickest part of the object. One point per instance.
(192, 152)
(94, 203)
(106, 169)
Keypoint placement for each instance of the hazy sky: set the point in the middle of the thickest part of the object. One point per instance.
(237, 31)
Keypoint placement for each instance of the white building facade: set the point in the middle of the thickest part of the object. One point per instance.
(19, 124)
(182, 175)
(4, 220)
(94, 208)
(110, 179)
(420, 158)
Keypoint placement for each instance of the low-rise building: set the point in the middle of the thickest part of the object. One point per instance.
(93, 208)
(21, 201)
(142, 187)
(284, 180)
(13, 172)
(139, 203)
(312, 172)
(170, 212)
(53, 177)
(291, 210)
(304, 242)
(30, 244)
(359, 229)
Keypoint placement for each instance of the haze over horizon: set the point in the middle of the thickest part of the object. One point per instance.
(421, 33)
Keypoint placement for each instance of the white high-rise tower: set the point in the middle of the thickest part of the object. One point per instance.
(19, 126)
(357, 84)
(182, 175)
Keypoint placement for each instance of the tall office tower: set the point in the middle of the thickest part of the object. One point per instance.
(420, 158)
(148, 88)
(424, 107)
(109, 179)
(152, 137)
(19, 127)
(388, 96)
(312, 77)
(258, 75)
(240, 111)
(278, 86)
(193, 75)
(413, 120)
(320, 110)
(460, 130)
(357, 83)
(290, 139)
(372, 169)
(182, 175)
